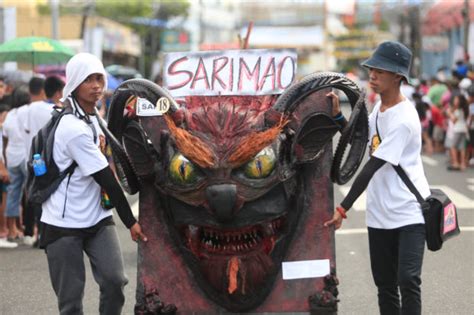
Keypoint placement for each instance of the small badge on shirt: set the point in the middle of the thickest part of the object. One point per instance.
(145, 108)
(374, 144)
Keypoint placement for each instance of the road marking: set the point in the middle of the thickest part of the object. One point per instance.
(429, 161)
(135, 209)
(360, 203)
(364, 231)
(351, 231)
(470, 183)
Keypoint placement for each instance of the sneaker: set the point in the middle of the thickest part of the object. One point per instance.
(29, 240)
(471, 162)
(4, 243)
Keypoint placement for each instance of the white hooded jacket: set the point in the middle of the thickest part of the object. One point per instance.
(78, 69)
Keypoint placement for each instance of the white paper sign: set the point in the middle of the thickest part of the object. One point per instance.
(146, 108)
(305, 269)
(229, 72)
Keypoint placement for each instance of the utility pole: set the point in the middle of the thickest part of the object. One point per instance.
(466, 16)
(86, 12)
(54, 19)
(2, 27)
(401, 17)
(154, 33)
(414, 22)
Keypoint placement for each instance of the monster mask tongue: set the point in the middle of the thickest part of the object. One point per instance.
(232, 272)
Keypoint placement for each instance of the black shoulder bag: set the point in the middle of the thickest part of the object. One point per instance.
(440, 213)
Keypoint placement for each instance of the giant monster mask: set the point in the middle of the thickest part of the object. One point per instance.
(225, 178)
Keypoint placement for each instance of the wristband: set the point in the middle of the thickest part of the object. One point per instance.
(338, 116)
(342, 212)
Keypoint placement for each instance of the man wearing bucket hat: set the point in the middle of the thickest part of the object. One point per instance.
(394, 217)
(75, 221)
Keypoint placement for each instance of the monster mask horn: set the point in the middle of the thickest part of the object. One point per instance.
(355, 133)
(122, 116)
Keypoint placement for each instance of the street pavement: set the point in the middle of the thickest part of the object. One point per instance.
(448, 276)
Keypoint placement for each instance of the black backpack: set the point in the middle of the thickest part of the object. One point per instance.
(39, 188)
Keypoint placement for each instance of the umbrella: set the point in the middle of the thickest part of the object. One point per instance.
(112, 82)
(35, 50)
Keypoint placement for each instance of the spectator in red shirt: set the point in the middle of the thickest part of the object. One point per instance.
(437, 119)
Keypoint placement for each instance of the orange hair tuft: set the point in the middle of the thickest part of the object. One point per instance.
(254, 143)
(190, 146)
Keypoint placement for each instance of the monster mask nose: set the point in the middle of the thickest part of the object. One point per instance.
(221, 199)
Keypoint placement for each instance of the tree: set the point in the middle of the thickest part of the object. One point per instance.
(126, 12)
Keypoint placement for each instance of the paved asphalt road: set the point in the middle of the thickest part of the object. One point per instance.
(448, 276)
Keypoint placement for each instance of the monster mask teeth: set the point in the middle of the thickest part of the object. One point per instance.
(205, 241)
(193, 238)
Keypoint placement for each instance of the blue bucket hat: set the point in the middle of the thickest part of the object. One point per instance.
(391, 56)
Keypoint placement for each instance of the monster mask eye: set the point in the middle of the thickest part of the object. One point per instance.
(261, 165)
(182, 171)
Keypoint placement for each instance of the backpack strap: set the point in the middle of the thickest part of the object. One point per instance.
(57, 114)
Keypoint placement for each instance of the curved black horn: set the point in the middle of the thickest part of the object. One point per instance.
(123, 166)
(292, 97)
(356, 134)
(356, 131)
(117, 123)
(137, 87)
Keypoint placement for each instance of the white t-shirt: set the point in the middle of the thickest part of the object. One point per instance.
(74, 142)
(13, 130)
(390, 204)
(37, 115)
(460, 126)
(471, 114)
(407, 91)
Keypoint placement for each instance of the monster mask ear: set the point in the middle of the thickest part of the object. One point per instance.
(315, 132)
(130, 151)
(318, 128)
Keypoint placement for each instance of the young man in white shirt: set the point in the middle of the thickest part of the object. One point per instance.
(394, 217)
(36, 117)
(74, 219)
(14, 156)
(37, 96)
(4, 179)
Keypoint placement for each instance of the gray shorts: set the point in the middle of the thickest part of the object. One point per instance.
(438, 133)
(459, 141)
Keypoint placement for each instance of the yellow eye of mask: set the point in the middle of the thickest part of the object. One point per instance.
(261, 165)
(182, 171)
